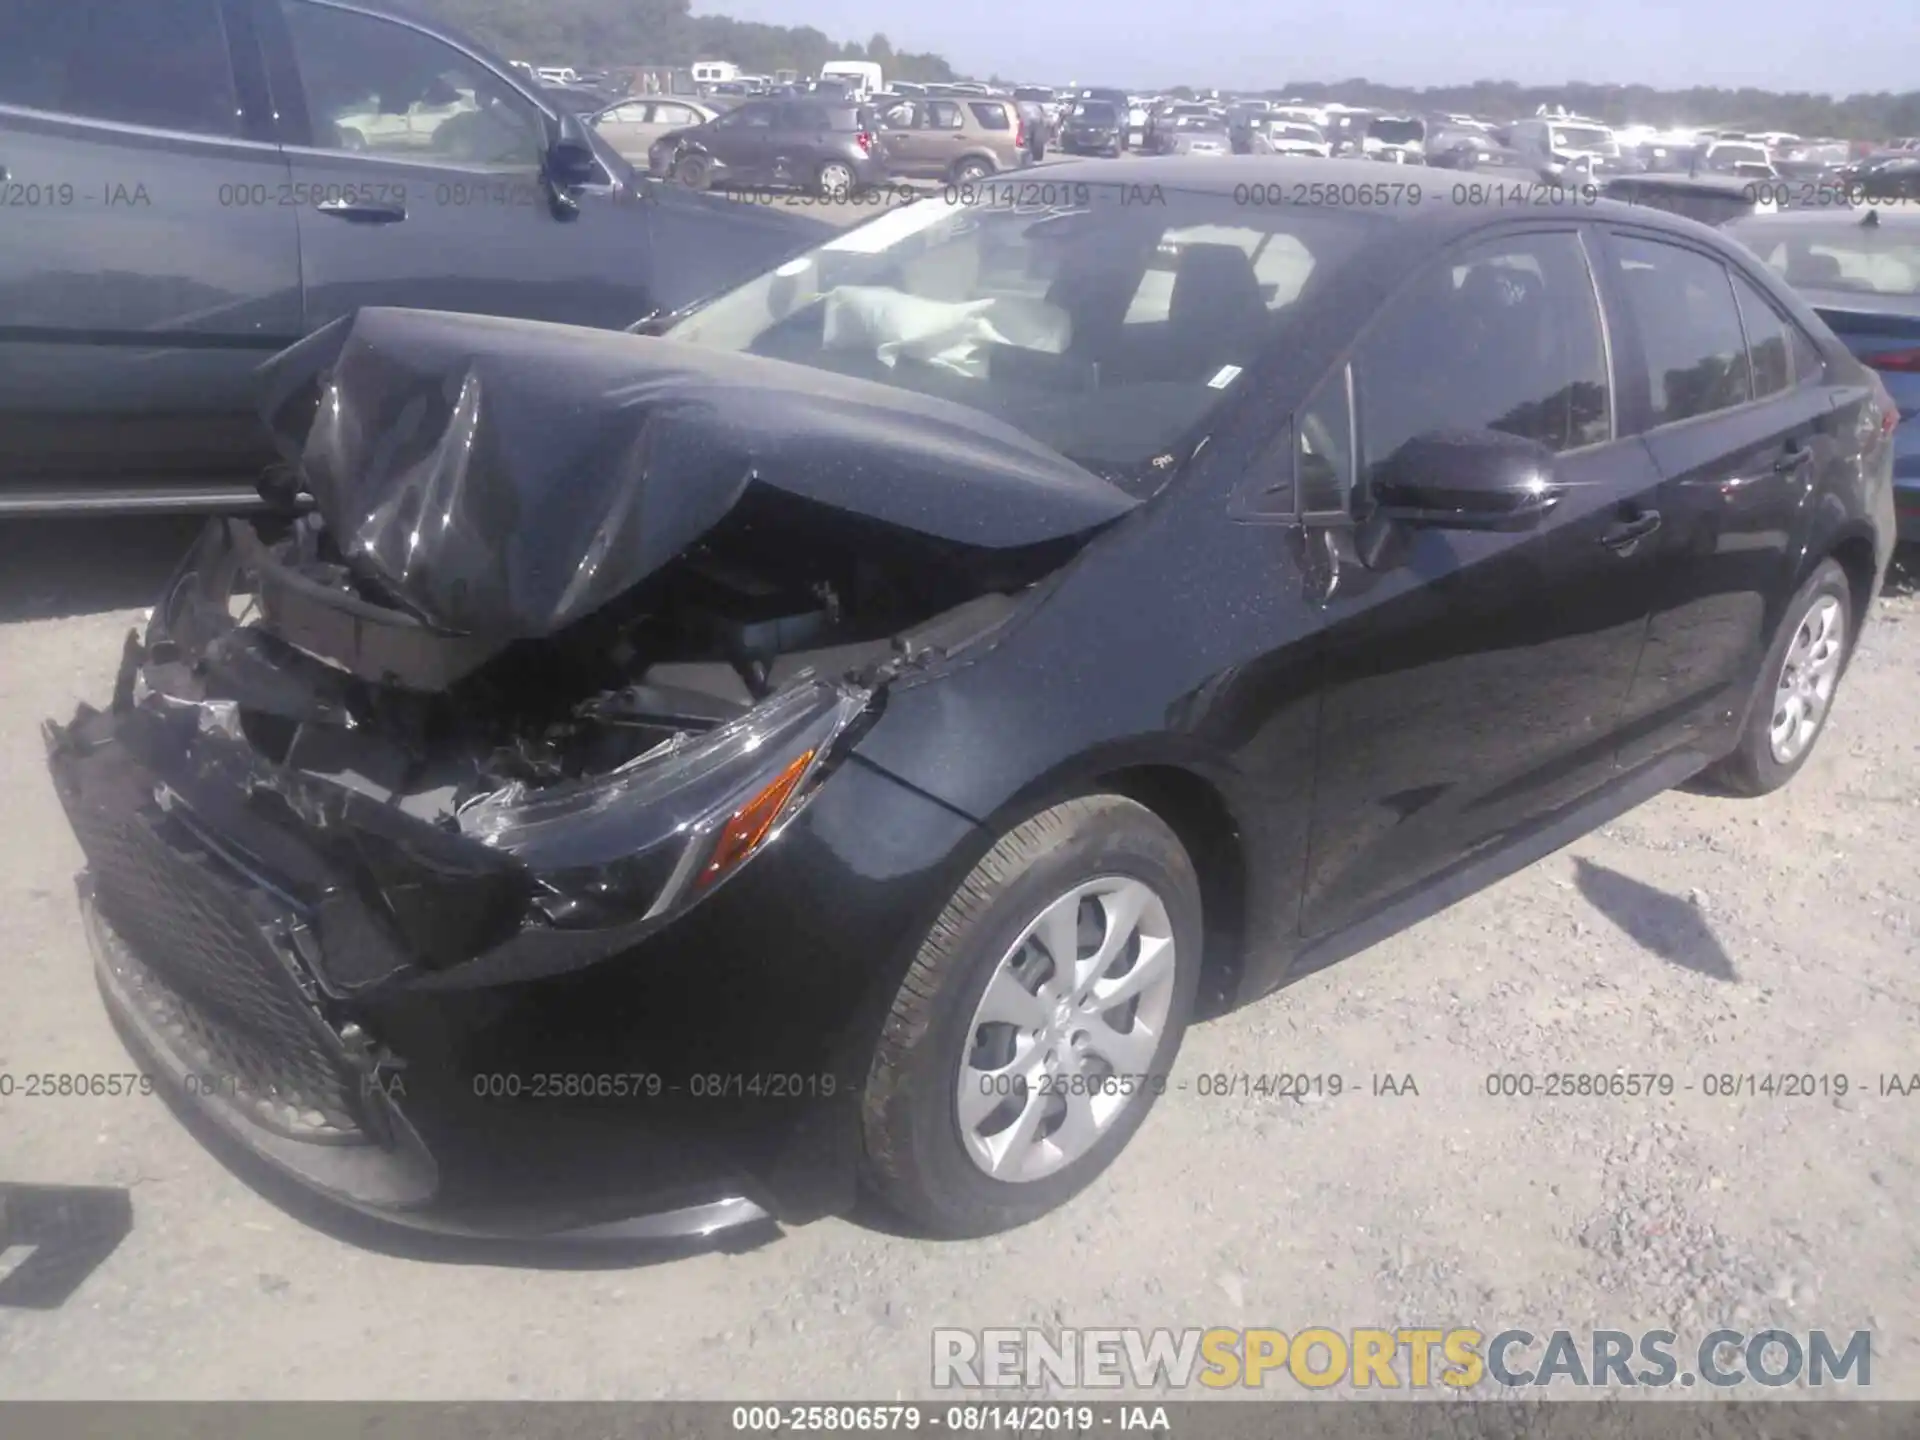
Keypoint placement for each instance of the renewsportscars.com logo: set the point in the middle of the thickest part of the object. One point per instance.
(1456, 1358)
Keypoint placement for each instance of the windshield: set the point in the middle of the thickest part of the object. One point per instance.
(1396, 132)
(1105, 330)
(1095, 112)
(1582, 137)
(1881, 259)
(1199, 122)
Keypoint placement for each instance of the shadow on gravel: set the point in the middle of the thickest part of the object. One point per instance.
(1672, 929)
(50, 569)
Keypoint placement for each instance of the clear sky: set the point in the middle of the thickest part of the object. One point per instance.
(1854, 45)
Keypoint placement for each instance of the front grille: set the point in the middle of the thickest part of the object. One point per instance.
(193, 952)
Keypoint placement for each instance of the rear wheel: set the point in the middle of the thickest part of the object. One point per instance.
(834, 180)
(1797, 685)
(694, 171)
(971, 172)
(1038, 1021)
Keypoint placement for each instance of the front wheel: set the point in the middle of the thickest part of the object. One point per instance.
(1797, 684)
(1038, 1022)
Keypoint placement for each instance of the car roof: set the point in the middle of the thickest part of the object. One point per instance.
(1902, 215)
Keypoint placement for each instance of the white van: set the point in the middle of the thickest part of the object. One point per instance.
(860, 76)
(714, 72)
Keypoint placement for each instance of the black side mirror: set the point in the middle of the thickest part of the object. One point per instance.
(570, 162)
(570, 159)
(1466, 480)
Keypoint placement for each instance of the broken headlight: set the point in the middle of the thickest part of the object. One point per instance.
(715, 798)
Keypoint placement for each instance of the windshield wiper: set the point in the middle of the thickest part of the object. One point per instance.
(658, 322)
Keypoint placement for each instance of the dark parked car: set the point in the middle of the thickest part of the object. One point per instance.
(827, 146)
(1893, 175)
(1094, 127)
(191, 185)
(1499, 163)
(1860, 271)
(1121, 102)
(802, 755)
(1711, 199)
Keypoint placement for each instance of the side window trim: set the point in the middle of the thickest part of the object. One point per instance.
(1352, 477)
(1746, 336)
(151, 133)
(1746, 341)
(1606, 342)
(1795, 332)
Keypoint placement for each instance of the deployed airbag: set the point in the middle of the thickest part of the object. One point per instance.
(953, 335)
(506, 477)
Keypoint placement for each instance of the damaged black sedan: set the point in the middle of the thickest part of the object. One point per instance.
(666, 781)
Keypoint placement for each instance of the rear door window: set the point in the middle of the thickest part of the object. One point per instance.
(158, 63)
(1683, 305)
(942, 115)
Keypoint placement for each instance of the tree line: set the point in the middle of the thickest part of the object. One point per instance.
(607, 33)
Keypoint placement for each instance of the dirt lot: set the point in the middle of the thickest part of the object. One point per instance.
(1696, 937)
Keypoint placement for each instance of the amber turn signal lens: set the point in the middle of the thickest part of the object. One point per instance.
(747, 827)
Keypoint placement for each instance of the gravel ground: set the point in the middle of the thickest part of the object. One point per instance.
(1696, 936)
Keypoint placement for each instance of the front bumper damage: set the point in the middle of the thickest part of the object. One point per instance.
(518, 768)
(318, 974)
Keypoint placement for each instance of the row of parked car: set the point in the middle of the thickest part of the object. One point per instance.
(825, 140)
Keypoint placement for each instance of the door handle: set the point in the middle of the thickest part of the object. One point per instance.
(1628, 533)
(364, 214)
(1796, 456)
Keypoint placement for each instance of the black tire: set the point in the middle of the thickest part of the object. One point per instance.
(1752, 768)
(914, 1159)
(694, 171)
(971, 172)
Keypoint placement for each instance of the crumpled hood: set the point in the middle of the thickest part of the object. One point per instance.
(508, 477)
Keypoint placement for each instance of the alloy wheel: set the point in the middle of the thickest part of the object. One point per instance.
(1808, 674)
(836, 180)
(1069, 1022)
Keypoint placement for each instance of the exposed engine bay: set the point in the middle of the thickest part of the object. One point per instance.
(327, 674)
(572, 625)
